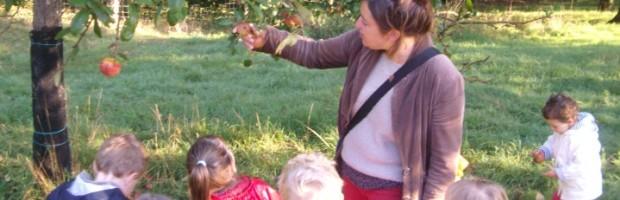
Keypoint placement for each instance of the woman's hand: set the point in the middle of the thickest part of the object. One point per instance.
(251, 37)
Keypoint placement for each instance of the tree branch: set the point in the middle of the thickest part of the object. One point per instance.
(467, 65)
(10, 20)
(457, 21)
(506, 22)
(75, 47)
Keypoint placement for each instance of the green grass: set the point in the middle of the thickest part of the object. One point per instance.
(178, 87)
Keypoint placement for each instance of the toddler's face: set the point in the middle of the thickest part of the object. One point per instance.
(558, 126)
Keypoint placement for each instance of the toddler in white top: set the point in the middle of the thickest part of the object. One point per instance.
(574, 147)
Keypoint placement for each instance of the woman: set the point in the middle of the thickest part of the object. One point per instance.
(407, 146)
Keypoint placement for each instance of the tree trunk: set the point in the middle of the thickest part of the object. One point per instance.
(50, 142)
(616, 19)
(604, 5)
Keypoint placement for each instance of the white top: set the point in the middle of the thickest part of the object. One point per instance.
(577, 160)
(84, 184)
(369, 147)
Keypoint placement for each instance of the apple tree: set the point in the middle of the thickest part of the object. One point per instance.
(51, 146)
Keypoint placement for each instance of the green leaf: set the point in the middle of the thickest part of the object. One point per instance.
(134, 13)
(176, 11)
(79, 21)
(160, 6)
(7, 5)
(73, 53)
(436, 3)
(239, 15)
(256, 11)
(102, 12)
(129, 28)
(97, 29)
(176, 4)
(305, 14)
(123, 56)
(78, 3)
(62, 33)
(247, 62)
(469, 5)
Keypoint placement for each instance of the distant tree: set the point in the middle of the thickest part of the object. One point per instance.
(604, 5)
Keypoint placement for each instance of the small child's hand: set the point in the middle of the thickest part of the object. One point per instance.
(551, 174)
(538, 156)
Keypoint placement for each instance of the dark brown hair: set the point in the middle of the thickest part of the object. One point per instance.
(560, 107)
(410, 17)
(121, 155)
(211, 165)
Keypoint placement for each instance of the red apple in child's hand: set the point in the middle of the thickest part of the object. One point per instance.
(538, 156)
(109, 67)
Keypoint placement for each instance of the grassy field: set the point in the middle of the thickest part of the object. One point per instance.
(177, 87)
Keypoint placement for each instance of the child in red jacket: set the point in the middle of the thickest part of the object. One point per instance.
(213, 174)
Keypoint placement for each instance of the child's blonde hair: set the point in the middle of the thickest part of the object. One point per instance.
(121, 155)
(310, 176)
(475, 189)
(211, 165)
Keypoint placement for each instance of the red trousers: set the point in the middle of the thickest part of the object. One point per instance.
(352, 192)
(556, 195)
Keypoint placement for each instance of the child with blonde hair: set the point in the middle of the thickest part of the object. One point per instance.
(213, 174)
(119, 164)
(475, 189)
(310, 176)
(574, 147)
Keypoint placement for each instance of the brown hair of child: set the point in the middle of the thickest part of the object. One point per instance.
(210, 165)
(560, 107)
(121, 155)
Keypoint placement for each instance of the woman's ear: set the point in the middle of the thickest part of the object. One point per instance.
(394, 35)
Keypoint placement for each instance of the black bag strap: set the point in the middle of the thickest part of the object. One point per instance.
(409, 66)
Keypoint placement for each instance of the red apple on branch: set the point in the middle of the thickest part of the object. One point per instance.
(109, 67)
(292, 21)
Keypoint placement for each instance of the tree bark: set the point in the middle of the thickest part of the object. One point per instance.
(616, 19)
(50, 142)
(604, 5)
